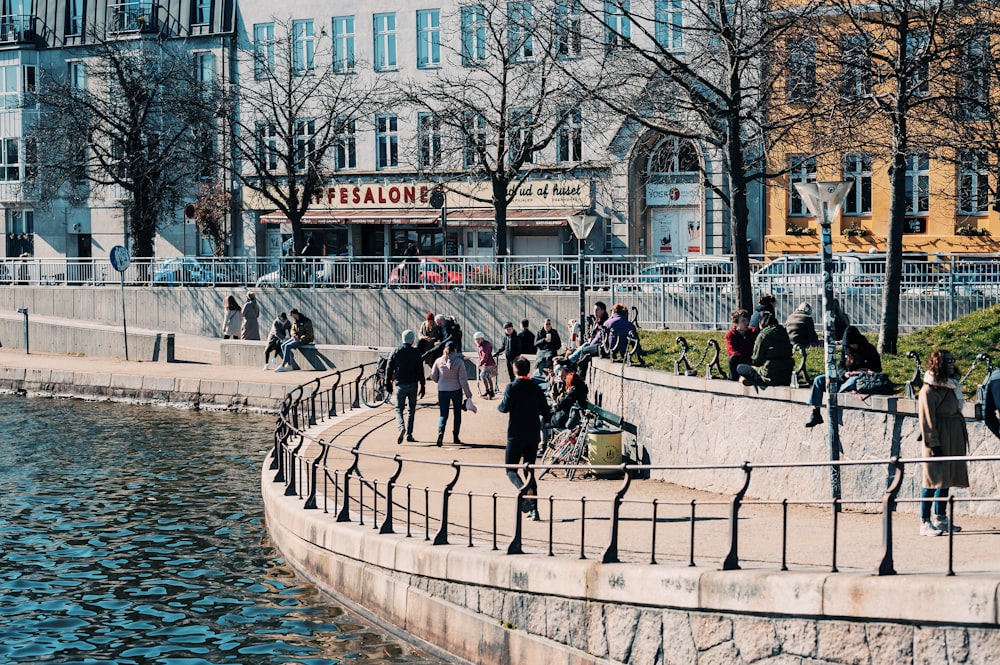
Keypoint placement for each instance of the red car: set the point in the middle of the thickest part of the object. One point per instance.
(429, 272)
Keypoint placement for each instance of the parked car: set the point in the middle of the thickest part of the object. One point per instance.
(538, 276)
(321, 271)
(430, 272)
(684, 275)
(182, 270)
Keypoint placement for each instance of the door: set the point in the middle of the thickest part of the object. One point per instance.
(675, 231)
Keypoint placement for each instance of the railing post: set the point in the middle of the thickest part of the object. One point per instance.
(732, 560)
(515, 543)
(320, 460)
(290, 468)
(345, 510)
(611, 553)
(387, 523)
(885, 566)
(441, 538)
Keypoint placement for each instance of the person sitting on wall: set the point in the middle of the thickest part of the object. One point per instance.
(739, 342)
(766, 303)
(859, 356)
(771, 363)
(619, 330)
(801, 327)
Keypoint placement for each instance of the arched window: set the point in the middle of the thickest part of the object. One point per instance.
(674, 160)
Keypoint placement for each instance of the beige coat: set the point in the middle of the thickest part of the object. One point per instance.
(942, 424)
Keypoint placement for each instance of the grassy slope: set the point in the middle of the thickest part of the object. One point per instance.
(966, 337)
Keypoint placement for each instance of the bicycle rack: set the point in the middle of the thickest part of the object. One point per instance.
(713, 365)
(682, 360)
(912, 387)
(801, 373)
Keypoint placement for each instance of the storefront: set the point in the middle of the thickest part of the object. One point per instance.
(384, 219)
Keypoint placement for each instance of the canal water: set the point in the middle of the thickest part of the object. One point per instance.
(135, 534)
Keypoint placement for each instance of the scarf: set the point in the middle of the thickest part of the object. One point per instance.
(952, 383)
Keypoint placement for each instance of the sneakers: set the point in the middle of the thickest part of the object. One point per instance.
(533, 515)
(929, 529)
(283, 368)
(943, 524)
(267, 367)
(815, 419)
(410, 439)
(746, 381)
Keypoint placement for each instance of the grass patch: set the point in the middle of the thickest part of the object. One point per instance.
(965, 337)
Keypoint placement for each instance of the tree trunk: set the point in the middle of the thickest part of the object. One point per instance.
(740, 212)
(142, 226)
(500, 218)
(889, 328)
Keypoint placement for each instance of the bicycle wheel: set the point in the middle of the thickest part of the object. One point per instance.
(373, 392)
(556, 444)
(386, 393)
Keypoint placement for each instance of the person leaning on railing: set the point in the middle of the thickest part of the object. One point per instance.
(942, 429)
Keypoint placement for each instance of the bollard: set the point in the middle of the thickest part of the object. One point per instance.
(24, 310)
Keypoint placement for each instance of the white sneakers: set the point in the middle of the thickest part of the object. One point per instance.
(283, 368)
(267, 367)
(927, 528)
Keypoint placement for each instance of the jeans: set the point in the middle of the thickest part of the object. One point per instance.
(734, 362)
(448, 399)
(940, 506)
(406, 393)
(286, 350)
(585, 350)
(750, 372)
(518, 452)
(819, 387)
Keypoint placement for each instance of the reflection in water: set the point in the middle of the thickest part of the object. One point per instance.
(135, 535)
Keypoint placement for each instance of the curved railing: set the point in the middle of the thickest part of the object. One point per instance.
(365, 488)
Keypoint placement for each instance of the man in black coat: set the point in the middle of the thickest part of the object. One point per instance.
(547, 345)
(511, 348)
(525, 402)
(527, 338)
(406, 369)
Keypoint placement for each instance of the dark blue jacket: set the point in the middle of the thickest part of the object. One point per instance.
(526, 403)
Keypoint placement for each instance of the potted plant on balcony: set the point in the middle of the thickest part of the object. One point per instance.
(972, 231)
(855, 231)
(796, 230)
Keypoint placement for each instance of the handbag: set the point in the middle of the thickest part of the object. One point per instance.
(874, 383)
(469, 406)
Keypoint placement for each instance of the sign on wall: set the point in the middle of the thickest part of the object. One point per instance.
(675, 195)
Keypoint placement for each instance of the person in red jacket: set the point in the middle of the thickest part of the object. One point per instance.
(739, 341)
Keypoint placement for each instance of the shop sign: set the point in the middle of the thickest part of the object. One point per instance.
(665, 195)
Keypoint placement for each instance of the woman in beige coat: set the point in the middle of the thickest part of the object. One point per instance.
(942, 427)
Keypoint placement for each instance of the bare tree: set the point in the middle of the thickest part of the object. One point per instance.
(290, 118)
(123, 117)
(707, 75)
(905, 53)
(501, 101)
(212, 209)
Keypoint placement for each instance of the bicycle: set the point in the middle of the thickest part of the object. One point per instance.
(375, 389)
(567, 447)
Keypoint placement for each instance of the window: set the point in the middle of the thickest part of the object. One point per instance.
(858, 170)
(385, 42)
(305, 144)
(428, 38)
(617, 25)
(669, 24)
(520, 139)
(386, 141)
(303, 47)
(800, 169)
(267, 147)
(74, 23)
(473, 35)
(975, 81)
(263, 50)
(973, 182)
(345, 149)
(856, 77)
(429, 140)
(76, 74)
(801, 83)
(475, 138)
(918, 177)
(204, 68)
(918, 64)
(519, 30)
(566, 30)
(569, 143)
(202, 12)
(10, 160)
(343, 44)
(20, 227)
(674, 160)
(8, 87)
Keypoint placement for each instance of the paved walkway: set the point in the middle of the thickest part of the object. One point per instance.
(977, 548)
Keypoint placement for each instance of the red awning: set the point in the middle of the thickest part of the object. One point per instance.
(459, 216)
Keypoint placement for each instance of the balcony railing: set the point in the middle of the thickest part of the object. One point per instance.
(132, 17)
(16, 28)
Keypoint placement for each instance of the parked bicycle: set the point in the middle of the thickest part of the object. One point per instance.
(568, 446)
(375, 389)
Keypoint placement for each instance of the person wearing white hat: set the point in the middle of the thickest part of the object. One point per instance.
(487, 364)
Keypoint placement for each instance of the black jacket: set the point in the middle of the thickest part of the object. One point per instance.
(553, 346)
(527, 341)
(526, 403)
(406, 366)
(511, 347)
(865, 357)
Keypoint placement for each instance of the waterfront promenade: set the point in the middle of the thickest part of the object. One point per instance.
(851, 595)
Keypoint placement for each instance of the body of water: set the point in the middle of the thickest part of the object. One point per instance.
(135, 535)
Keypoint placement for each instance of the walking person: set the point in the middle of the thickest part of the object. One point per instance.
(942, 429)
(251, 313)
(992, 405)
(231, 314)
(406, 370)
(453, 380)
(302, 334)
(511, 348)
(525, 402)
(279, 333)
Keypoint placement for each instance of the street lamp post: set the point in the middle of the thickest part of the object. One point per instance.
(824, 200)
(581, 226)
